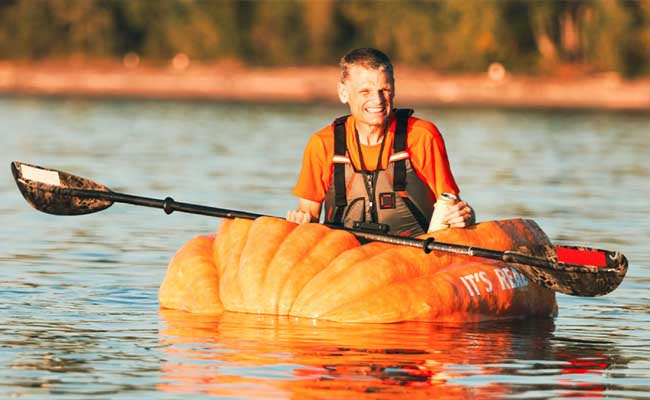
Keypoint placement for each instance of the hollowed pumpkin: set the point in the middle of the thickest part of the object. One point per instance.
(271, 266)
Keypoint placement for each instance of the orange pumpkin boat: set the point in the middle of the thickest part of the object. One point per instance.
(271, 266)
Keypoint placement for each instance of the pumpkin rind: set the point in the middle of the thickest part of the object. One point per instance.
(233, 235)
(192, 279)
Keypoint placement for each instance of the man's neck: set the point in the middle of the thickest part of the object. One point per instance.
(370, 135)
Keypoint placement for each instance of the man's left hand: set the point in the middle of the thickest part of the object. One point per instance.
(460, 215)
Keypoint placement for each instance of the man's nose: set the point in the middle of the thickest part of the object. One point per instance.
(378, 97)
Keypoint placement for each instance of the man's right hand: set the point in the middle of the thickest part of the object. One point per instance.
(307, 211)
(299, 217)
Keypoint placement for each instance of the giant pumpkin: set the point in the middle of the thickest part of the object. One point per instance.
(271, 266)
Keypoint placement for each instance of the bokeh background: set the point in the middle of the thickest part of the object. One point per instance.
(526, 36)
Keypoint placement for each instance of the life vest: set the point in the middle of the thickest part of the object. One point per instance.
(401, 203)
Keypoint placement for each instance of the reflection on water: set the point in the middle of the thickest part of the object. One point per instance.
(78, 295)
(294, 358)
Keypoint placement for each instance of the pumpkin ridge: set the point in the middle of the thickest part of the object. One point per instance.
(370, 250)
(311, 293)
(191, 282)
(229, 252)
(271, 288)
(315, 262)
(265, 237)
(345, 289)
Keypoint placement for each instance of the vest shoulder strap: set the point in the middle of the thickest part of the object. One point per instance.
(340, 149)
(399, 144)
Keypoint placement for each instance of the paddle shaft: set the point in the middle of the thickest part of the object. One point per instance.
(430, 244)
(169, 205)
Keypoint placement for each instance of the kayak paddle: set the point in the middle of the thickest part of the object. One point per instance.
(577, 271)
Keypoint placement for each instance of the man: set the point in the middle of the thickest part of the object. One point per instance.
(378, 169)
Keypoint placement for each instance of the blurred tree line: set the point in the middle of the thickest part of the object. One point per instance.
(451, 35)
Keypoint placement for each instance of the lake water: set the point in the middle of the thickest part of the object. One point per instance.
(78, 295)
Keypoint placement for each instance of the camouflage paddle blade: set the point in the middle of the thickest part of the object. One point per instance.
(581, 279)
(56, 192)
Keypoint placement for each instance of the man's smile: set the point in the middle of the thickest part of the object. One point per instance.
(375, 109)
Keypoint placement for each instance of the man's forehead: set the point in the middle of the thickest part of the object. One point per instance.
(366, 73)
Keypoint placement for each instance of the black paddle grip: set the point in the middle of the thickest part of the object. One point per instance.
(168, 205)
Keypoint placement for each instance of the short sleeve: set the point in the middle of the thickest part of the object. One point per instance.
(312, 182)
(429, 157)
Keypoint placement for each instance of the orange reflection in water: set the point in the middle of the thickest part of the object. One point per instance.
(257, 356)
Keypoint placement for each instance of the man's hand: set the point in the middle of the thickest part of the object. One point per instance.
(299, 217)
(308, 211)
(460, 215)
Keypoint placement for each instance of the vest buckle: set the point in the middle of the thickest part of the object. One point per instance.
(370, 227)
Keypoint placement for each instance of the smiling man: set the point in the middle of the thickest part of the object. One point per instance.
(379, 168)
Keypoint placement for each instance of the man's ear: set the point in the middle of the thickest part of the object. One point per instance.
(343, 92)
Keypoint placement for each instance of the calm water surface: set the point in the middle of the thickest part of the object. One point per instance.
(78, 295)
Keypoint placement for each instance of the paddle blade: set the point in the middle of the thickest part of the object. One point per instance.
(594, 272)
(580, 271)
(57, 192)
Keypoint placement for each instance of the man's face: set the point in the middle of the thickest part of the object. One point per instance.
(369, 93)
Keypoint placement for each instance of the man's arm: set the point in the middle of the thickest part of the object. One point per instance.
(308, 211)
(429, 158)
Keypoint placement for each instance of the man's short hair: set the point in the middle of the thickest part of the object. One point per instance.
(366, 57)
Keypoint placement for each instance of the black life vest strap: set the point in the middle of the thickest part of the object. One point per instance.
(399, 144)
(399, 171)
(417, 214)
(340, 148)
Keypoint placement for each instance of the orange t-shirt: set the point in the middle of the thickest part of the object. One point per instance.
(424, 144)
